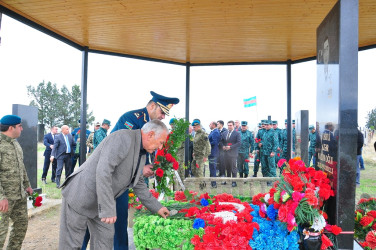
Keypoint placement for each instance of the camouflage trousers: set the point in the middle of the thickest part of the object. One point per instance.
(311, 154)
(268, 166)
(243, 167)
(198, 167)
(256, 163)
(181, 170)
(17, 213)
(278, 156)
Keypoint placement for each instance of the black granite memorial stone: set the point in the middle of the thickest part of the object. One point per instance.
(28, 139)
(337, 103)
(302, 132)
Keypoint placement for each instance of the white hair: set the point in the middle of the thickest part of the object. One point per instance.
(155, 125)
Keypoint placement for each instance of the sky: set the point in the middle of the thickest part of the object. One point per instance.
(117, 84)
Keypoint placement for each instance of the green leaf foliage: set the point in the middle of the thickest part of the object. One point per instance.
(57, 107)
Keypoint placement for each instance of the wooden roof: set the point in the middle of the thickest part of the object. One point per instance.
(195, 31)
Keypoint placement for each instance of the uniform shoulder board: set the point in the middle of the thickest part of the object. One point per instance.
(137, 115)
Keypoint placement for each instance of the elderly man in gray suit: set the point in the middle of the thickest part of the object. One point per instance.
(89, 193)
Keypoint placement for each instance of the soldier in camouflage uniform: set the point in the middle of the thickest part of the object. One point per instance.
(245, 150)
(14, 184)
(268, 145)
(278, 133)
(201, 149)
(312, 145)
(101, 133)
(89, 141)
(259, 135)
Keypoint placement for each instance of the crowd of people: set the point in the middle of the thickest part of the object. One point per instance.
(230, 149)
(98, 209)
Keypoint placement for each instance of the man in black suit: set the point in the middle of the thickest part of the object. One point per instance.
(230, 143)
(221, 160)
(48, 141)
(62, 151)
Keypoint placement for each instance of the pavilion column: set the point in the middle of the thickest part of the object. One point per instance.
(187, 87)
(1, 15)
(83, 118)
(289, 118)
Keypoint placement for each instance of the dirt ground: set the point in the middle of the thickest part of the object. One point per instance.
(43, 231)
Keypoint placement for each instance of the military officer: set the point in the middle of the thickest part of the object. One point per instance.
(278, 133)
(157, 108)
(312, 145)
(268, 145)
(89, 141)
(101, 133)
(245, 150)
(14, 184)
(259, 135)
(201, 149)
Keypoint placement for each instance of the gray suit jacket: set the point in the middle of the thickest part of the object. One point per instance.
(91, 190)
(60, 146)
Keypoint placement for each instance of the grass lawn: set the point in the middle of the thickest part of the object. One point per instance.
(368, 176)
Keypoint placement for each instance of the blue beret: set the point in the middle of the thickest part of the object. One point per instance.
(196, 122)
(263, 121)
(105, 121)
(274, 122)
(164, 102)
(172, 120)
(293, 121)
(244, 123)
(268, 122)
(10, 120)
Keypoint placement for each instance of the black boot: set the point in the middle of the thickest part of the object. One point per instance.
(44, 181)
(241, 175)
(254, 175)
(57, 181)
(245, 176)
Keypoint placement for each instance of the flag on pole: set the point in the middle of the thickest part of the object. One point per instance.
(250, 102)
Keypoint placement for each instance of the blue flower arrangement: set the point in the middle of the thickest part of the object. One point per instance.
(204, 202)
(272, 234)
(198, 223)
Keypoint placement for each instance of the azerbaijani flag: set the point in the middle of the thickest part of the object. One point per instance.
(250, 102)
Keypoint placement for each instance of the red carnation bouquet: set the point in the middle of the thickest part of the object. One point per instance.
(299, 197)
(165, 160)
(37, 200)
(365, 223)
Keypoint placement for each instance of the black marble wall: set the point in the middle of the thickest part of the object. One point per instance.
(302, 141)
(28, 139)
(337, 104)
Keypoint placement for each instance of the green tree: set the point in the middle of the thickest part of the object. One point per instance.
(371, 119)
(58, 107)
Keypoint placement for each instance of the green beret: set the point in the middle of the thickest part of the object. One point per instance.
(311, 127)
(196, 122)
(244, 123)
(105, 121)
(259, 124)
(10, 120)
(274, 122)
(293, 121)
(263, 121)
